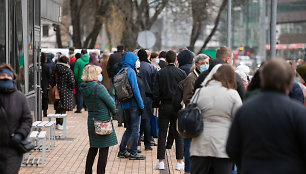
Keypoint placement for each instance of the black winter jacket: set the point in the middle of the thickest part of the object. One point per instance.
(268, 135)
(113, 59)
(166, 82)
(45, 75)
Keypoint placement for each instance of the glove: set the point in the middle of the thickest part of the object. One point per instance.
(16, 139)
(141, 111)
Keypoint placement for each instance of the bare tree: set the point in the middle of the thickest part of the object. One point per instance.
(216, 24)
(137, 17)
(100, 16)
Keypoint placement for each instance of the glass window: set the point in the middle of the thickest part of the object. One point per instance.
(45, 30)
(30, 43)
(2, 33)
(16, 42)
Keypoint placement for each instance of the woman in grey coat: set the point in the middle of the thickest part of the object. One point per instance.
(218, 101)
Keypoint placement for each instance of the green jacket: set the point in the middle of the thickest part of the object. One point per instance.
(104, 106)
(79, 66)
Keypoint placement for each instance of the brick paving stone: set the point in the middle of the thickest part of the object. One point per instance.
(70, 156)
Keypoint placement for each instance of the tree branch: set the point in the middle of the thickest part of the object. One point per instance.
(216, 24)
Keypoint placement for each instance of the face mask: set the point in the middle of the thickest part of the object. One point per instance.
(157, 61)
(137, 65)
(203, 68)
(232, 62)
(297, 80)
(297, 64)
(100, 78)
(6, 83)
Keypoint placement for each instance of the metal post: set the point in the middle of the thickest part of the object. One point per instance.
(273, 29)
(229, 23)
(262, 31)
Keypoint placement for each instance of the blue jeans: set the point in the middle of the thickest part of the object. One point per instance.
(132, 130)
(187, 142)
(79, 97)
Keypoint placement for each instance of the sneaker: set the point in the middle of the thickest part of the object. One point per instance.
(153, 143)
(148, 148)
(59, 127)
(180, 166)
(136, 156)
(125, 154)
(137, 151)
(160, 165)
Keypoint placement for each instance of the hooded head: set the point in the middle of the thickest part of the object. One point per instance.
(185, 57)
(129, 60)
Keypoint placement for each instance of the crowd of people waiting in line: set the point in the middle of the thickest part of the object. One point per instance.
(255, 123)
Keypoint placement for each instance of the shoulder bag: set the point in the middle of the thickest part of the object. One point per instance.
(190, 121)
(101, 127)
(26, 145)
(54, 94)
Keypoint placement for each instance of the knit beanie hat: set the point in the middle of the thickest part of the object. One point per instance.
(302, 71)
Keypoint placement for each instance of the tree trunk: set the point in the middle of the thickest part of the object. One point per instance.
(58, 36)
(216, 24)
(100, 14)
(75, 10)
(199, 13)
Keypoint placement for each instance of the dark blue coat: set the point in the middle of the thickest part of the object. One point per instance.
(268, 135)
(296, 93)
(147, 72)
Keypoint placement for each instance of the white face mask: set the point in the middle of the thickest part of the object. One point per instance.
(100, 78)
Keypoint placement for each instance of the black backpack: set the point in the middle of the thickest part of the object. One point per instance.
(122, 86)
(190, 120)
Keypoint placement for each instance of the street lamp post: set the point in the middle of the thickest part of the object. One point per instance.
(229, 22)
(273, 29)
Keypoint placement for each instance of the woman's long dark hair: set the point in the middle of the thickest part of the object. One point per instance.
(226, 75)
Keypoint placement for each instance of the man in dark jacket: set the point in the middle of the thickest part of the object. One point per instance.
(185, 59)
(166, 81)
(268, 134)
(147, 72)
(45, 78)
(224, 55)
(114, 59)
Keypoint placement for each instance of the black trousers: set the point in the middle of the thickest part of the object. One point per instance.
(166, 116)
(210, 165)
(102, 160)
(45, 99)
(170, 138)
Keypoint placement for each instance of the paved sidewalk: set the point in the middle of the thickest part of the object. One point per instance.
(69, 156)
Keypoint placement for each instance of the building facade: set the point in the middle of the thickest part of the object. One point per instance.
(20, 43)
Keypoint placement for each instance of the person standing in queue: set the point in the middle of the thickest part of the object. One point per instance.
(165, 85)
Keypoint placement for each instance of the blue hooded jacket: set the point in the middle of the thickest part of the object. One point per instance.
(128, 61)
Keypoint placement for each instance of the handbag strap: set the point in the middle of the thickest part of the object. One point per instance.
(94, 104)
(196, 97)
